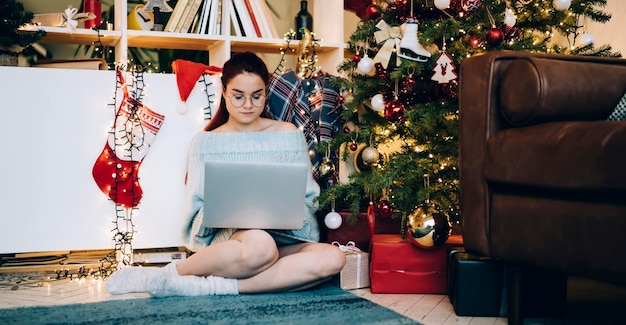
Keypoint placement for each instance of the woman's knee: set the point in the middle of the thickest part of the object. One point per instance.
(337, 259)
(332, 259)
(258, 249)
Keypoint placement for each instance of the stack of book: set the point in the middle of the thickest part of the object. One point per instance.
(53, 260)
(250, 18)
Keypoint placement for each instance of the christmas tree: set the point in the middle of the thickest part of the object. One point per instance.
(13, 16)
(400, 93)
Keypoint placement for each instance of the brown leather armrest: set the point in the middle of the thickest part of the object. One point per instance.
(480, 117)
(536, 90)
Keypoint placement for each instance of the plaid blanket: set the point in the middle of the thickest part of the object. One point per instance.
(312, 105)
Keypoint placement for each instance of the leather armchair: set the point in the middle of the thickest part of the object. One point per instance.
(542, 171)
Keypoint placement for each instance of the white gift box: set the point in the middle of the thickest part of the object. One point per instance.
(356, 273)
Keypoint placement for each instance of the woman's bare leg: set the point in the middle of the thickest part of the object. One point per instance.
(245, 254)
(299, 266)
(252, 257)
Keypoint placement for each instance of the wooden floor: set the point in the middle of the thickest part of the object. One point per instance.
(426, 309)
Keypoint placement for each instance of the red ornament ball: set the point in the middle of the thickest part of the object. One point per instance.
(494, 36)
(353, 146)
(384, 208)
(356, 58)
(451, 89)
(394, 111)
(373, 12)
(474, 42)
(511, 33)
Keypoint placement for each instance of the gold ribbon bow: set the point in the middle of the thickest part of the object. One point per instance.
(390, 37)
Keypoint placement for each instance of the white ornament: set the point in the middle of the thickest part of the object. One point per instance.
(333, 220)
(442, 4)
(378, 102)
(561, 5)
(365, 65)
(509, 18)
(586, 39)
(444, 69)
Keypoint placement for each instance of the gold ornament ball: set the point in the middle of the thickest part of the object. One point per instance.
(326, 168)
(428, 228)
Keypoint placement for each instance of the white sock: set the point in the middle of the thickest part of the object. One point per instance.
(134, 278)
(168, 284)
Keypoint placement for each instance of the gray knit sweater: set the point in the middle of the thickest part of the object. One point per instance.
(271, 146)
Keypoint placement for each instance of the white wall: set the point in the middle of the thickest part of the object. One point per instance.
(53, 128)
(613, 32)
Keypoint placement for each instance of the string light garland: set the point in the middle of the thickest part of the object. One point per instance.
(288, 37)
(208, 110)
(101, 51)
(307, 59)
(129, 138)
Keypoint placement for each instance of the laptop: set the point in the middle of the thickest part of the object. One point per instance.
(254, 195)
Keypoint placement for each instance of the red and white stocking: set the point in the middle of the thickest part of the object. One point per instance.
(116, 169)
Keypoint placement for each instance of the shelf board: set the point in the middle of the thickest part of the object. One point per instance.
(60, 35)
(239, 44)
(181, 41)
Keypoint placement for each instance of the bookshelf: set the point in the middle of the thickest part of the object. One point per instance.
(329, 28)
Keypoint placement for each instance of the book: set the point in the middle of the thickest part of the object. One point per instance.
(40, 254)
(191, 15)
(176, 14)
(183, 16)
(215, 19)
(204, 16)
(270, 21)
(85, 64)
(236, 26)
(244, 17)
(261, 19)
(195, 23)
(253, 18)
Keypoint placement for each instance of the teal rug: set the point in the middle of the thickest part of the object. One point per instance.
(325, 304)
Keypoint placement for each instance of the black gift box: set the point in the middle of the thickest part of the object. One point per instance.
(476, 285)
(479, 286)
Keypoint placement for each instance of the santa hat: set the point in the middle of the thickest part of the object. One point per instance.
(188, 73)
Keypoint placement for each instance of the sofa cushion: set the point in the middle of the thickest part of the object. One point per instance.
(560, 155)
(535, 90)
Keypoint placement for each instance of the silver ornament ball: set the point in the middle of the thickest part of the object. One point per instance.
(370, 155)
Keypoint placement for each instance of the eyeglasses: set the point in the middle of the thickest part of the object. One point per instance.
(239, 100)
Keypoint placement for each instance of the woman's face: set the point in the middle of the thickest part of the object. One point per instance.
(245, 98)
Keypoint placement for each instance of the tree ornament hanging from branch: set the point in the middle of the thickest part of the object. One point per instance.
(471, 5)
(389, 36)
(444, 67)
(372, 12)
(442, 4)
(394, 108)
(410, 48)
(494, 35)
(561, 5)
(509, 17)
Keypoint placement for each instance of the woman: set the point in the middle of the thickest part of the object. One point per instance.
(232, 261)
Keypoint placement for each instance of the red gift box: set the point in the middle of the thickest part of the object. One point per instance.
(358, 232)
(398, 266)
